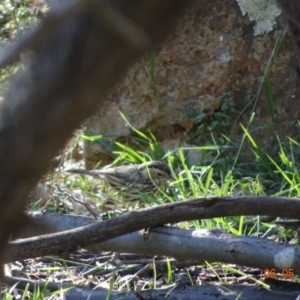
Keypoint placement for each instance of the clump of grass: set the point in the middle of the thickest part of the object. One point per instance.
(219, 171)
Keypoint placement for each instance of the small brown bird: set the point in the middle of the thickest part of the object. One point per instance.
(133, 180)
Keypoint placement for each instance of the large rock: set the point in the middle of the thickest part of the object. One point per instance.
(213, 51)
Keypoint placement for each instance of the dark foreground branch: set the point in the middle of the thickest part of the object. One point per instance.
(291, 11)
(74, 67)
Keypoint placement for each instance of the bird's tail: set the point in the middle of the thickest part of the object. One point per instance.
(83, 172)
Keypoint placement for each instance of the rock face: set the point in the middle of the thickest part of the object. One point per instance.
(213, 52)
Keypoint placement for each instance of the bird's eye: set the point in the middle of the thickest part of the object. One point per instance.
(159, 174)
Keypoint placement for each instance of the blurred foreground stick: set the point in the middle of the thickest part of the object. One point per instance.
(291, 11)
(77, 56)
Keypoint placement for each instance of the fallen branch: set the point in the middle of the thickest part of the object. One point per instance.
(200, 245)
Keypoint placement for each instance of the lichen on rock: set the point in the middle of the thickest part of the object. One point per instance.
(263, 12)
